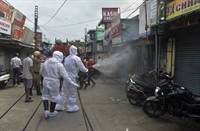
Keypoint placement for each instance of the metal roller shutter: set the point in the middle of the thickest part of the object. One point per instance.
(187, 58)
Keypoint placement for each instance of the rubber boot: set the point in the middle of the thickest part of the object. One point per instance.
(38, 91)
(46, 105)
(46, 109)
(52, 109)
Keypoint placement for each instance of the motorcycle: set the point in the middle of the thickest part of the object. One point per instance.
(4, 78)
(138, 91)
(174, 99)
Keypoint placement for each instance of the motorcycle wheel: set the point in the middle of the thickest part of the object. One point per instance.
(134, 101)
(154, 109)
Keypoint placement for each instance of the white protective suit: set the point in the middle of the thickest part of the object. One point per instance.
(72, 64)
(51, 71)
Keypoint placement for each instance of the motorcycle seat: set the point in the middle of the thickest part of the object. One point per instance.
(196, 99)
(145, 85)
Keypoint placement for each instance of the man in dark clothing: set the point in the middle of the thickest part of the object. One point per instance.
(16, 64)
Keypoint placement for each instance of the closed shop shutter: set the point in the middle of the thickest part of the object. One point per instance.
(187, 58)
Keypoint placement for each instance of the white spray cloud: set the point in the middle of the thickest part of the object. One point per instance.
(110, 66)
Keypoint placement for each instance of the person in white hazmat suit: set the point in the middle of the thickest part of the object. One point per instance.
(72, 64)
(51, 71)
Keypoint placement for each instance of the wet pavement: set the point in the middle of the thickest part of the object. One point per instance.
(105, 104)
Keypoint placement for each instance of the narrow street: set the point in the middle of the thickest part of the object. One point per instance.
(105, 104)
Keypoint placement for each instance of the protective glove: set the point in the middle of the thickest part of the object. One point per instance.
(74, 84)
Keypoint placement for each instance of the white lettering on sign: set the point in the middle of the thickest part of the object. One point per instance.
(109, 15)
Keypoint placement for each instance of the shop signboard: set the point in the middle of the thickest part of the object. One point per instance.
(18, 18)
(180, 7)
(17, 33)
(116, 30)
(5, 27)
(108, 14)
(7, 10)
(153, 13)
(39, 38)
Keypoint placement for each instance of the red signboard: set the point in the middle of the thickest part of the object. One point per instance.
(109, 13)
(18, 18)
(6, 9)
(17, 33)
(116, 30)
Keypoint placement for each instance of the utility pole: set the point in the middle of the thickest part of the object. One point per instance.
(36, 24)
(85, 39)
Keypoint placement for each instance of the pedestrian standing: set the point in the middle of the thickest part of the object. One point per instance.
(90, 71)
(36, 68)
(51, 71)
(27, 75)
(16, 65)
(72, 64)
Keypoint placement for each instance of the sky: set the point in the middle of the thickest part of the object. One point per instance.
(74, 16)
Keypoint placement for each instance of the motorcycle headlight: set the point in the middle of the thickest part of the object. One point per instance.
(156, 90)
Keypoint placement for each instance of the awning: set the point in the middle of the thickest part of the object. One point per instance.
(184, 15)
(14, 44)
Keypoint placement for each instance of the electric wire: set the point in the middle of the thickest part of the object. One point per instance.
(134, 10)
(55, 13)
(86, 119)
(129, 6)
(48, 30)
(86, 21)
(75, 23)
(61, 32)
(11, 107)
(52, 33)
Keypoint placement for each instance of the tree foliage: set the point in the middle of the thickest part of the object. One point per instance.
(77, 43)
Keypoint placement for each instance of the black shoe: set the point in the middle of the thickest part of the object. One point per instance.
(85, 86)
(93, 84)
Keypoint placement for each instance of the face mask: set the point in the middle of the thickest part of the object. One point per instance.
(32, 56)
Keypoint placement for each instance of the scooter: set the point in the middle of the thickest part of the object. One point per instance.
(4, 78)
(139, 90)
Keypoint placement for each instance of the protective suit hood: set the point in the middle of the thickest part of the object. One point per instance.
(73, 50)
(57, 57)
